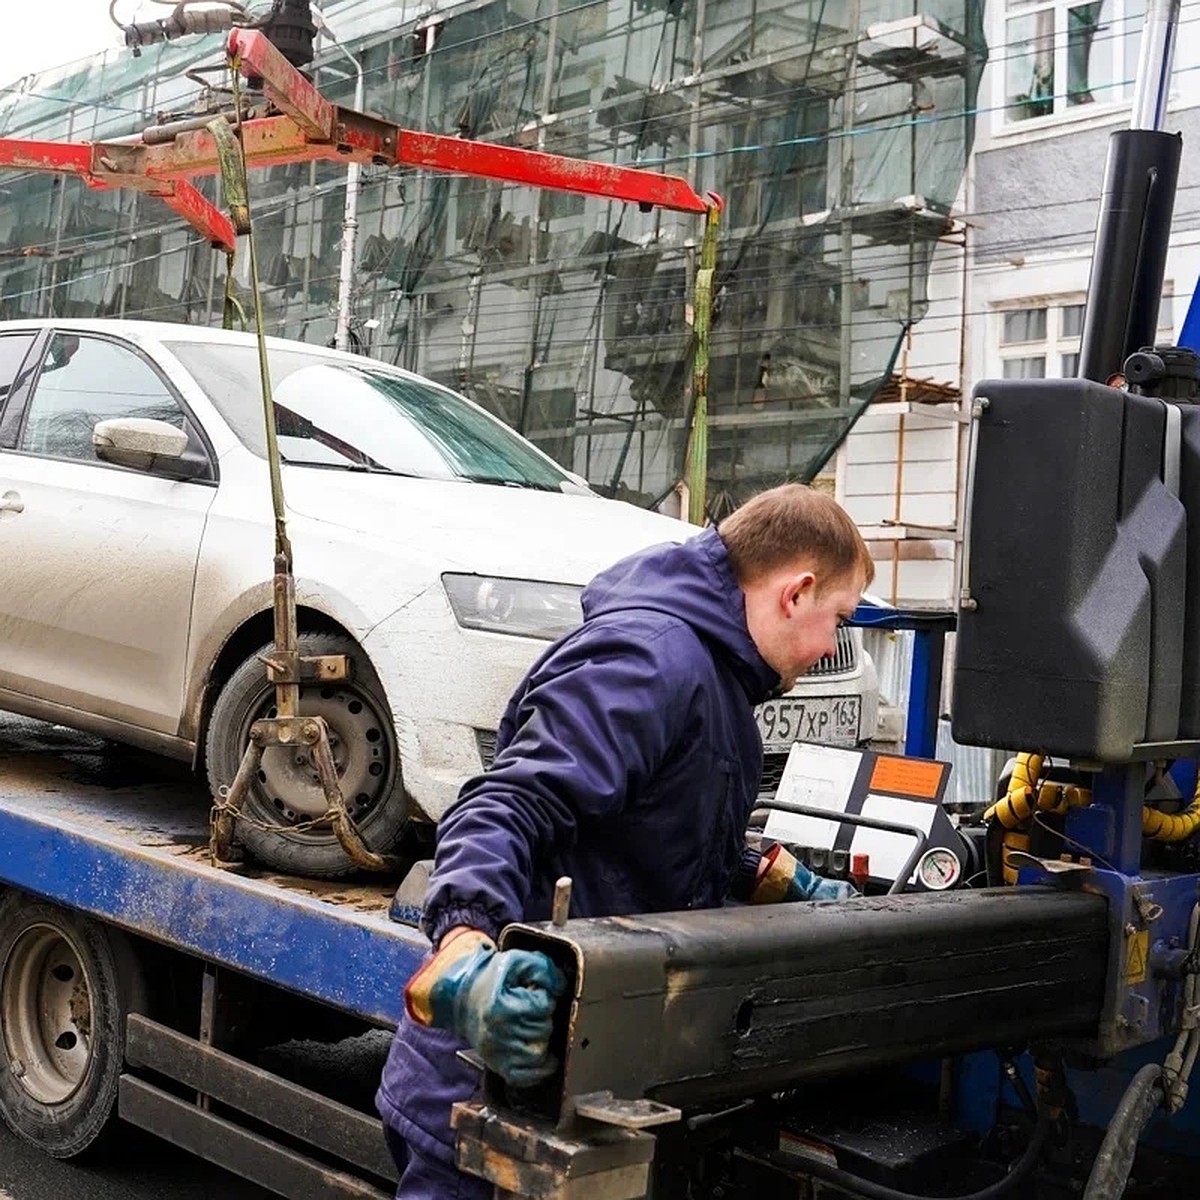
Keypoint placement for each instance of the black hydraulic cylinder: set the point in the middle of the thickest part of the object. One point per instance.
(714, 1007)
(290, 29)
(1130, 253)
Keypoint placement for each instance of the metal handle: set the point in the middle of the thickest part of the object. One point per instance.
(11, 502)
(823, 814)
(966, 601)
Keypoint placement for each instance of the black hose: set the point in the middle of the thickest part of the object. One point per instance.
(1114, 1161)
(1014, 1076)
(857, 1186)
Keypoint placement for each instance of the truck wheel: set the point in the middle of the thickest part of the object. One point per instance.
(67, 985)
(286, 796)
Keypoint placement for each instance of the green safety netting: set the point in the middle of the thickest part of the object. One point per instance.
(837, 133)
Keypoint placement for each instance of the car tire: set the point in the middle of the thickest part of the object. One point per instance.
(286, 794)
(67, 985)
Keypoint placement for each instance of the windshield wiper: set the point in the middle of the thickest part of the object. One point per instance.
(358, 467)
(296, 425)
(498, 481)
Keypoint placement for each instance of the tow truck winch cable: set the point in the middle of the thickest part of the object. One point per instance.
(1020, 1170)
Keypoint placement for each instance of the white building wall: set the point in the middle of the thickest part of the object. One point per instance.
(1029, 200)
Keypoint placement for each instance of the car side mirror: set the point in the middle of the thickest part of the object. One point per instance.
(138, 442)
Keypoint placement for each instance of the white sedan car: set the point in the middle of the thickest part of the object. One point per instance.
(432, 545)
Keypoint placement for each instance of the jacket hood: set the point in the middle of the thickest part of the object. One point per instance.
(693, 582)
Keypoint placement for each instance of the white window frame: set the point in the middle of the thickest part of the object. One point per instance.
(1119, 26)
(1057, 342)
(1052, 347)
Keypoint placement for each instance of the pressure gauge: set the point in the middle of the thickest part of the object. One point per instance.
(939, 869)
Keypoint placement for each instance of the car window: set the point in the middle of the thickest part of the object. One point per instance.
(333, 413)
(13, 349)
(85, 380)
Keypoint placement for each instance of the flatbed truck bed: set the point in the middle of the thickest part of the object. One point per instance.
(117, 840)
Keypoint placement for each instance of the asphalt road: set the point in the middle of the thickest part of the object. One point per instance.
(140, 1168)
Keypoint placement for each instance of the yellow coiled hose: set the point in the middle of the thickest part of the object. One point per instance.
(1172, 827)
(1015, 810)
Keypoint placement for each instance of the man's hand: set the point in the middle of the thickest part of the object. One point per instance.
(783, 878)
(499, 1002)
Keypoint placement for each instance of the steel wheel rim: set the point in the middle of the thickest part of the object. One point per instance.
(46, 1003)
(287, 782)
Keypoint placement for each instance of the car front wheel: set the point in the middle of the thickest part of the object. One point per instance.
(280, 823)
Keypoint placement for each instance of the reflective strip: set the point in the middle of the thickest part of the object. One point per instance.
(773, 886)
(1172, 442)
(418, 995)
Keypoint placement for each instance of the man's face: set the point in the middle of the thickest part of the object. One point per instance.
(793, 617)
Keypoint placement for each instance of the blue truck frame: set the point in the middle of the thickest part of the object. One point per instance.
(133, 859)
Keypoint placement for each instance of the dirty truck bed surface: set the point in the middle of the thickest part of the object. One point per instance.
(123, 836)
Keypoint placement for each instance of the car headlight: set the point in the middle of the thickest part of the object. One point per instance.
(522, 607)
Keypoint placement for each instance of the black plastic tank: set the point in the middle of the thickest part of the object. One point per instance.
(1073, 639)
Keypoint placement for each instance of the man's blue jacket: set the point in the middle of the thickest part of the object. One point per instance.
(628, 759)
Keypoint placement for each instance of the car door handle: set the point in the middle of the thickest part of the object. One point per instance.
(12, 502)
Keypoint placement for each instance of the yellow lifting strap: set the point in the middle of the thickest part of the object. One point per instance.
(696, 471)
(237, 201)
(232, 159)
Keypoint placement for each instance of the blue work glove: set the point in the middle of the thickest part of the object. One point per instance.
(783, 878)
(499, 1002)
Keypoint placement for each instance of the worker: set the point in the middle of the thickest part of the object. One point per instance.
(628, 759)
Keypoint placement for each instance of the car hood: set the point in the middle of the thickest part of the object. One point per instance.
(481, 528)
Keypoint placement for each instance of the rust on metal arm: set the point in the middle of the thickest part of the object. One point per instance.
(89, 162)
(293, 93)
(532, 167)
(310, 129)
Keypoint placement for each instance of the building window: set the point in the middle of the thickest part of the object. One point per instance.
(1024, 325)
(1040, 342)
(1062, 54)
(1032, 366)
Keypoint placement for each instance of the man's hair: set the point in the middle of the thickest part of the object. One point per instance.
(794, 523)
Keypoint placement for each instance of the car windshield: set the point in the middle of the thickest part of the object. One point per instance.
(331, 413)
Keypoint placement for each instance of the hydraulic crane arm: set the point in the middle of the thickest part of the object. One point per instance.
(310, 128)
(90, 162)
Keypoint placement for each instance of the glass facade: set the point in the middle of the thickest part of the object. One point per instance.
(836, 131)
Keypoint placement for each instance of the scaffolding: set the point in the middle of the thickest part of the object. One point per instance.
(837, 133)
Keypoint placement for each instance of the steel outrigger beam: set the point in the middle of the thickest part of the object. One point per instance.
(90, 161)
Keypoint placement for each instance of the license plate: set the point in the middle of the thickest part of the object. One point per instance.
(830, 719)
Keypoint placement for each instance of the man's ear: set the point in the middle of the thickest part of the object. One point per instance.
(800, 586)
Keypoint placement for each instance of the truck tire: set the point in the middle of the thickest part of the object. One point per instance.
(287, 795)
(67, 985)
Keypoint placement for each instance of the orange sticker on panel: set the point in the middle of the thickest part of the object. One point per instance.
(907, 777)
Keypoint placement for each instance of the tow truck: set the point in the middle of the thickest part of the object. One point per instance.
(142, 962)
(749, 1053)
(930, 1038)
